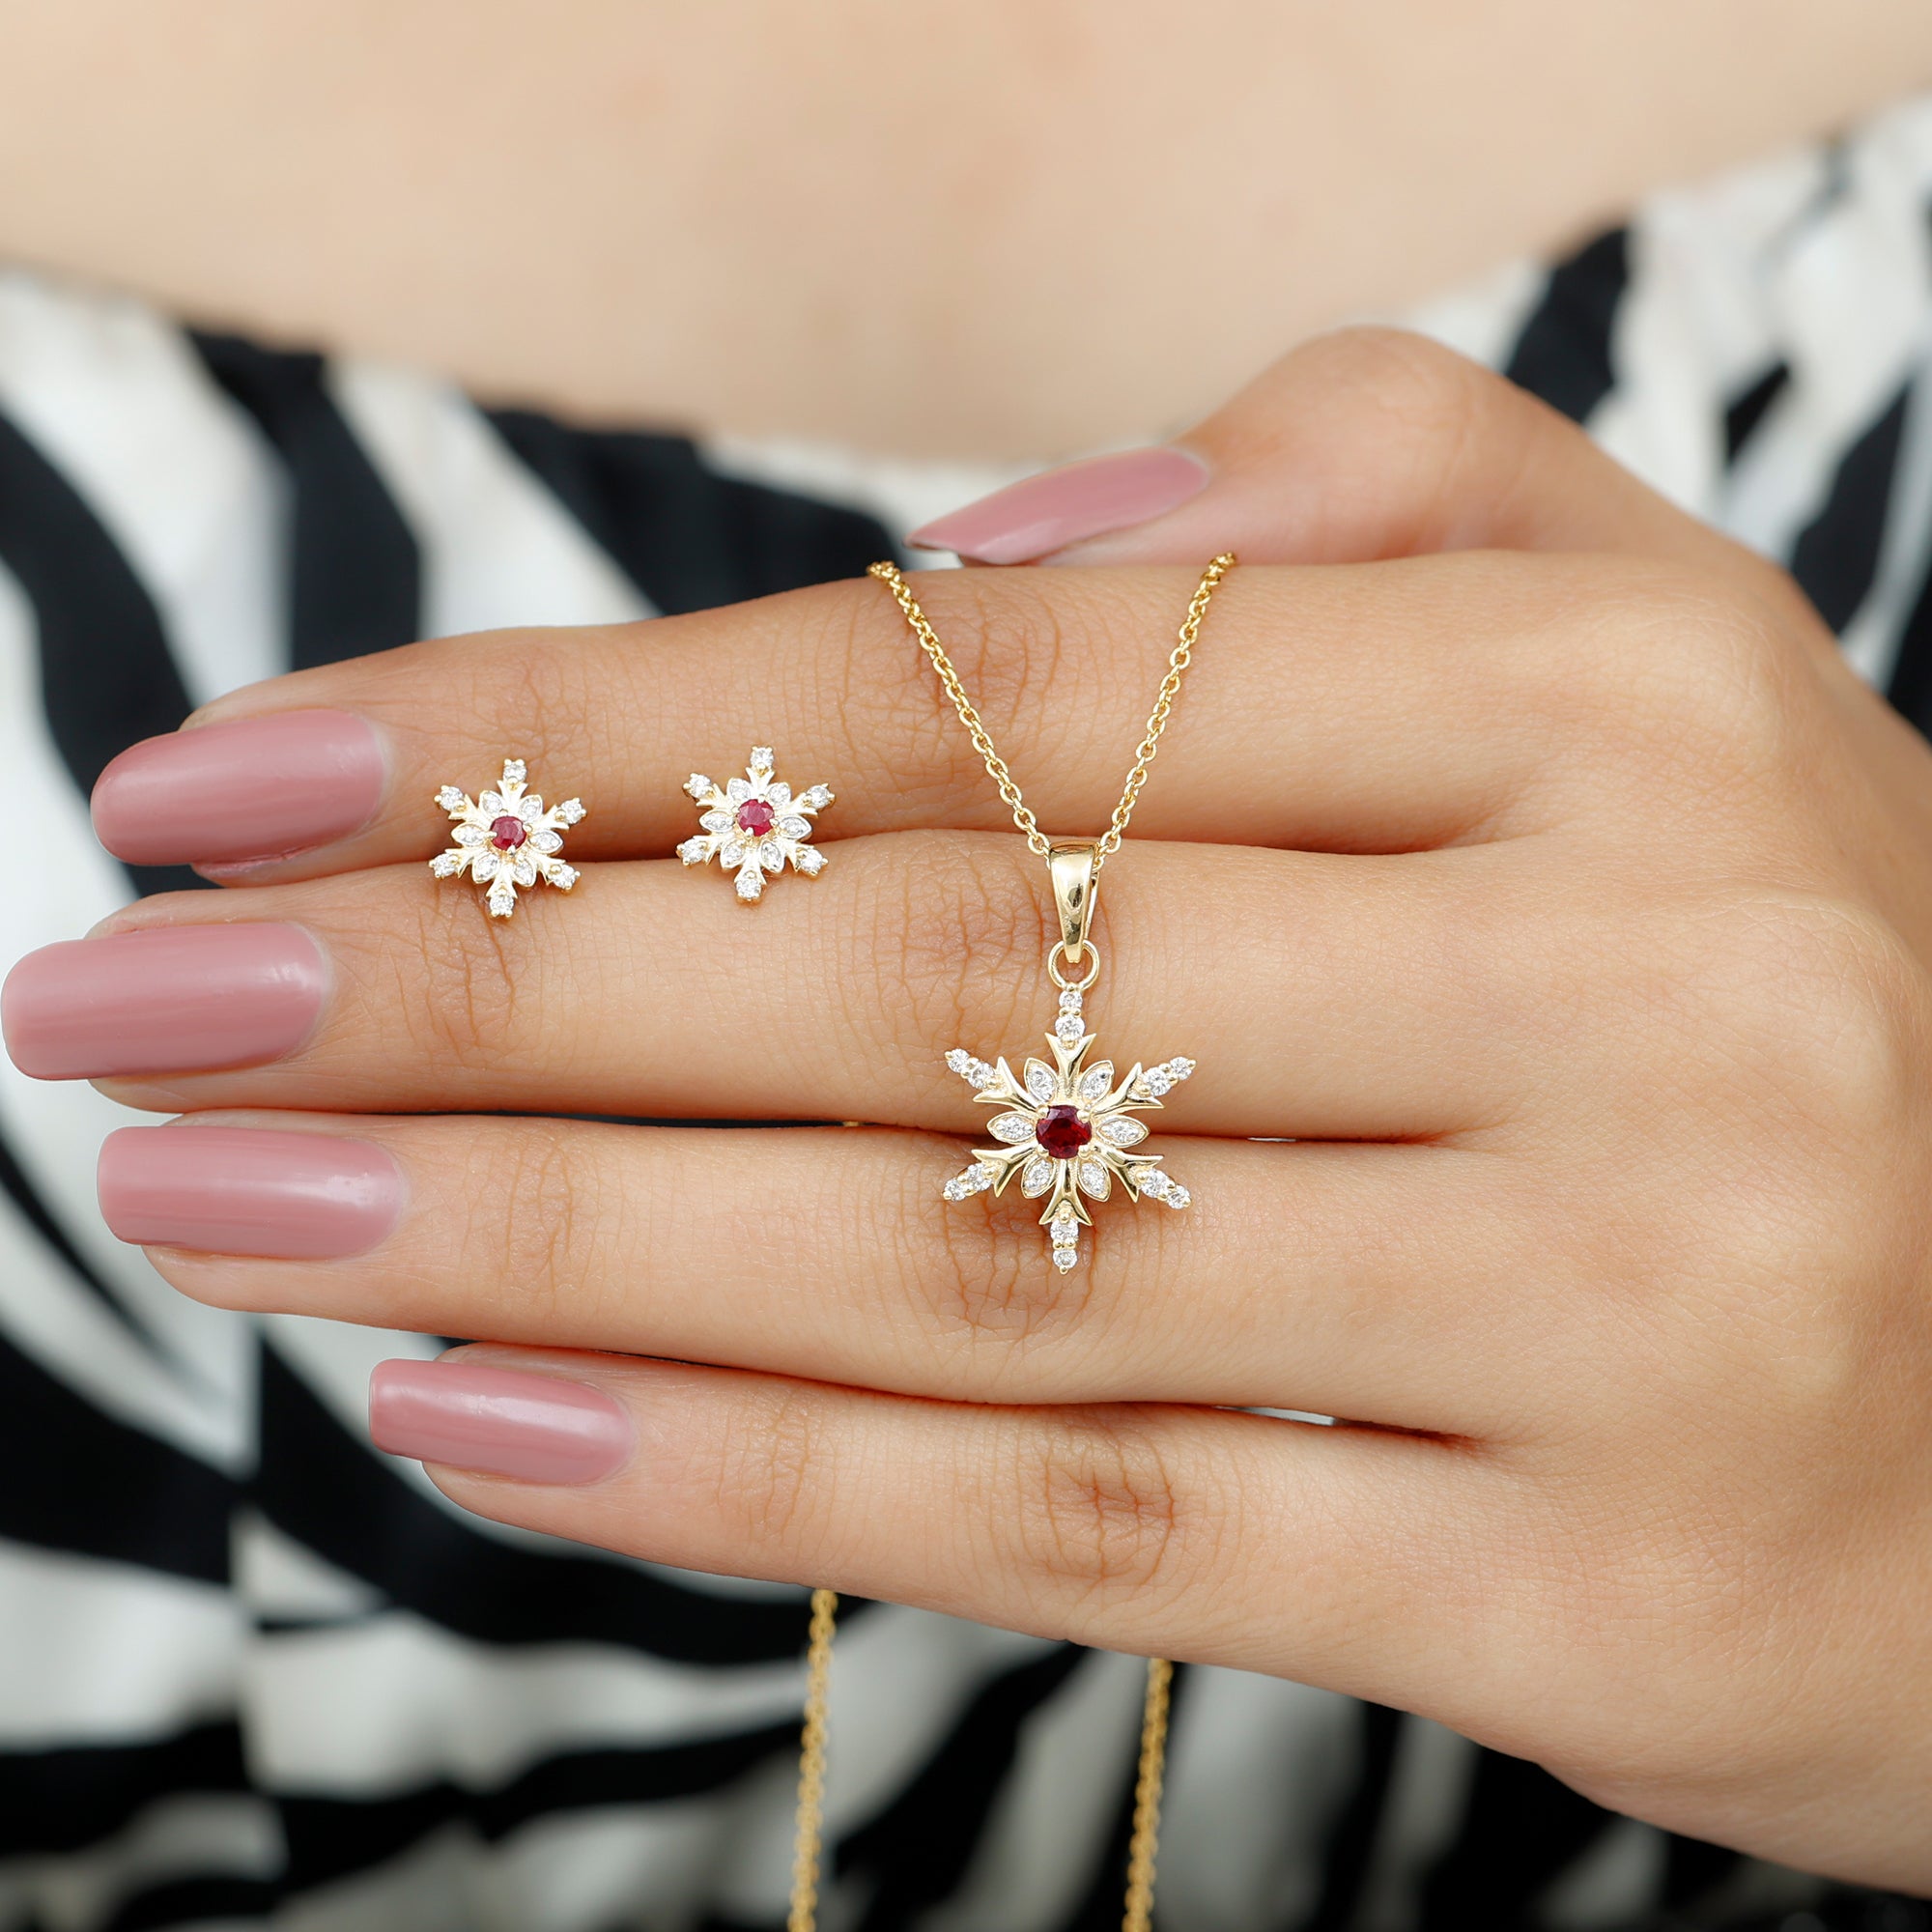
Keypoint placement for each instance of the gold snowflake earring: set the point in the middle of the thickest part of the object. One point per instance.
(506, 839)
(753, 824)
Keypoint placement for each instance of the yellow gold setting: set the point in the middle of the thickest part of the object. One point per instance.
(508, 838)
(755, 825)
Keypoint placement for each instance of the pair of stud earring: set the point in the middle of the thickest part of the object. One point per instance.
(506, 837)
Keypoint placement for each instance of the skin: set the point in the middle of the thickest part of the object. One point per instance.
(1011, 230)
(1521, 853)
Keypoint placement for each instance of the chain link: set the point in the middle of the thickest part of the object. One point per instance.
(1178, 661)
(810, 1818)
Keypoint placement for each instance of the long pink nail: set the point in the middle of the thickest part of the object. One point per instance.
(174, 999)
(1046, 513)
(538, 1429)
(250, 788)
(248, 1191)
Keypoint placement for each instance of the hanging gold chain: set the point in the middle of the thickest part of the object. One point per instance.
(808, 1839)
(1146, 1836)
(1145, 1839)
(807, 1847)
(1178, 658)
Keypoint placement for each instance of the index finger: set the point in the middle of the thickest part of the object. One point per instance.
(1343, 708)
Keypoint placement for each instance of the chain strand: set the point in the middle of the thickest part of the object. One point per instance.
(1178, 658)
(1139, 1913)
(811, 1828)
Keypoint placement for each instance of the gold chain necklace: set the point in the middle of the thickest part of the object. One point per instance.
(1057, 1113)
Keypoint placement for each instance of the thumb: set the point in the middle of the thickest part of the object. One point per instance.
(1368, 443)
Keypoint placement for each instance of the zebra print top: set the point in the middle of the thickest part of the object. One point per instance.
(253, 1674)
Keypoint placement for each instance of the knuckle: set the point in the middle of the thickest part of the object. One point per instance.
(974, 1277)
(1025, 651)
(1796, 1029)
(1099, 1512)
(952, 939)
(1431, 391)
(1021, 661)
(525, 676)
(887, 710)
(1827, 1010)
(454, 992)
(768, 1468)
(533, 1176)
(1689, 668)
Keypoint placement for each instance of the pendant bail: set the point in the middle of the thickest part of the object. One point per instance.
(1074, 863)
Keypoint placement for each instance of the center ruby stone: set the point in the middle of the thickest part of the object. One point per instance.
(1062, 1133)
(506, 833)
(756, 818)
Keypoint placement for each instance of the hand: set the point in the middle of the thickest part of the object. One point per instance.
(1559, 897)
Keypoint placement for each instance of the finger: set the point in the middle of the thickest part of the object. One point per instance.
(1319, 996)
(1356, 1281)
(1363, 444)
(1334, 1556)
(1341, 709)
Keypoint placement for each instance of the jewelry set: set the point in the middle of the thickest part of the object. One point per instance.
(1065, 1129)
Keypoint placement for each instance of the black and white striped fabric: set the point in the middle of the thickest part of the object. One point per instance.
(253, 1674)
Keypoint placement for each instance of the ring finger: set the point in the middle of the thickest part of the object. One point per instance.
(832, 1254)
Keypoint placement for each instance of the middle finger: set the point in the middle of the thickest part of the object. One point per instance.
(1321, 996)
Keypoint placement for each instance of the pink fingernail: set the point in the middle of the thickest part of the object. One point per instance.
(248, 1191)
(538, 1429)
(250, 788)
(1046, 513)
(174, 999)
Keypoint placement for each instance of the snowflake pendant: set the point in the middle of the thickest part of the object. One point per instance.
(1067, 1130)
(506, 838)
(753, 824)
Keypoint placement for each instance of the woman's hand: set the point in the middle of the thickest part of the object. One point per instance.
(1559, 897)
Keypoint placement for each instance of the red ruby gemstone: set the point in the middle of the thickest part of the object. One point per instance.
(1062, 1133)
(756, 818)
(506, 833)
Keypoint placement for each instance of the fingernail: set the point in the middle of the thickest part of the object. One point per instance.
(252, 789)
(502, 1422)
(1046, 513)
(248, 1191)
(173, 999)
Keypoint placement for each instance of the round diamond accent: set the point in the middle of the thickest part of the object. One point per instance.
(974, 1180)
